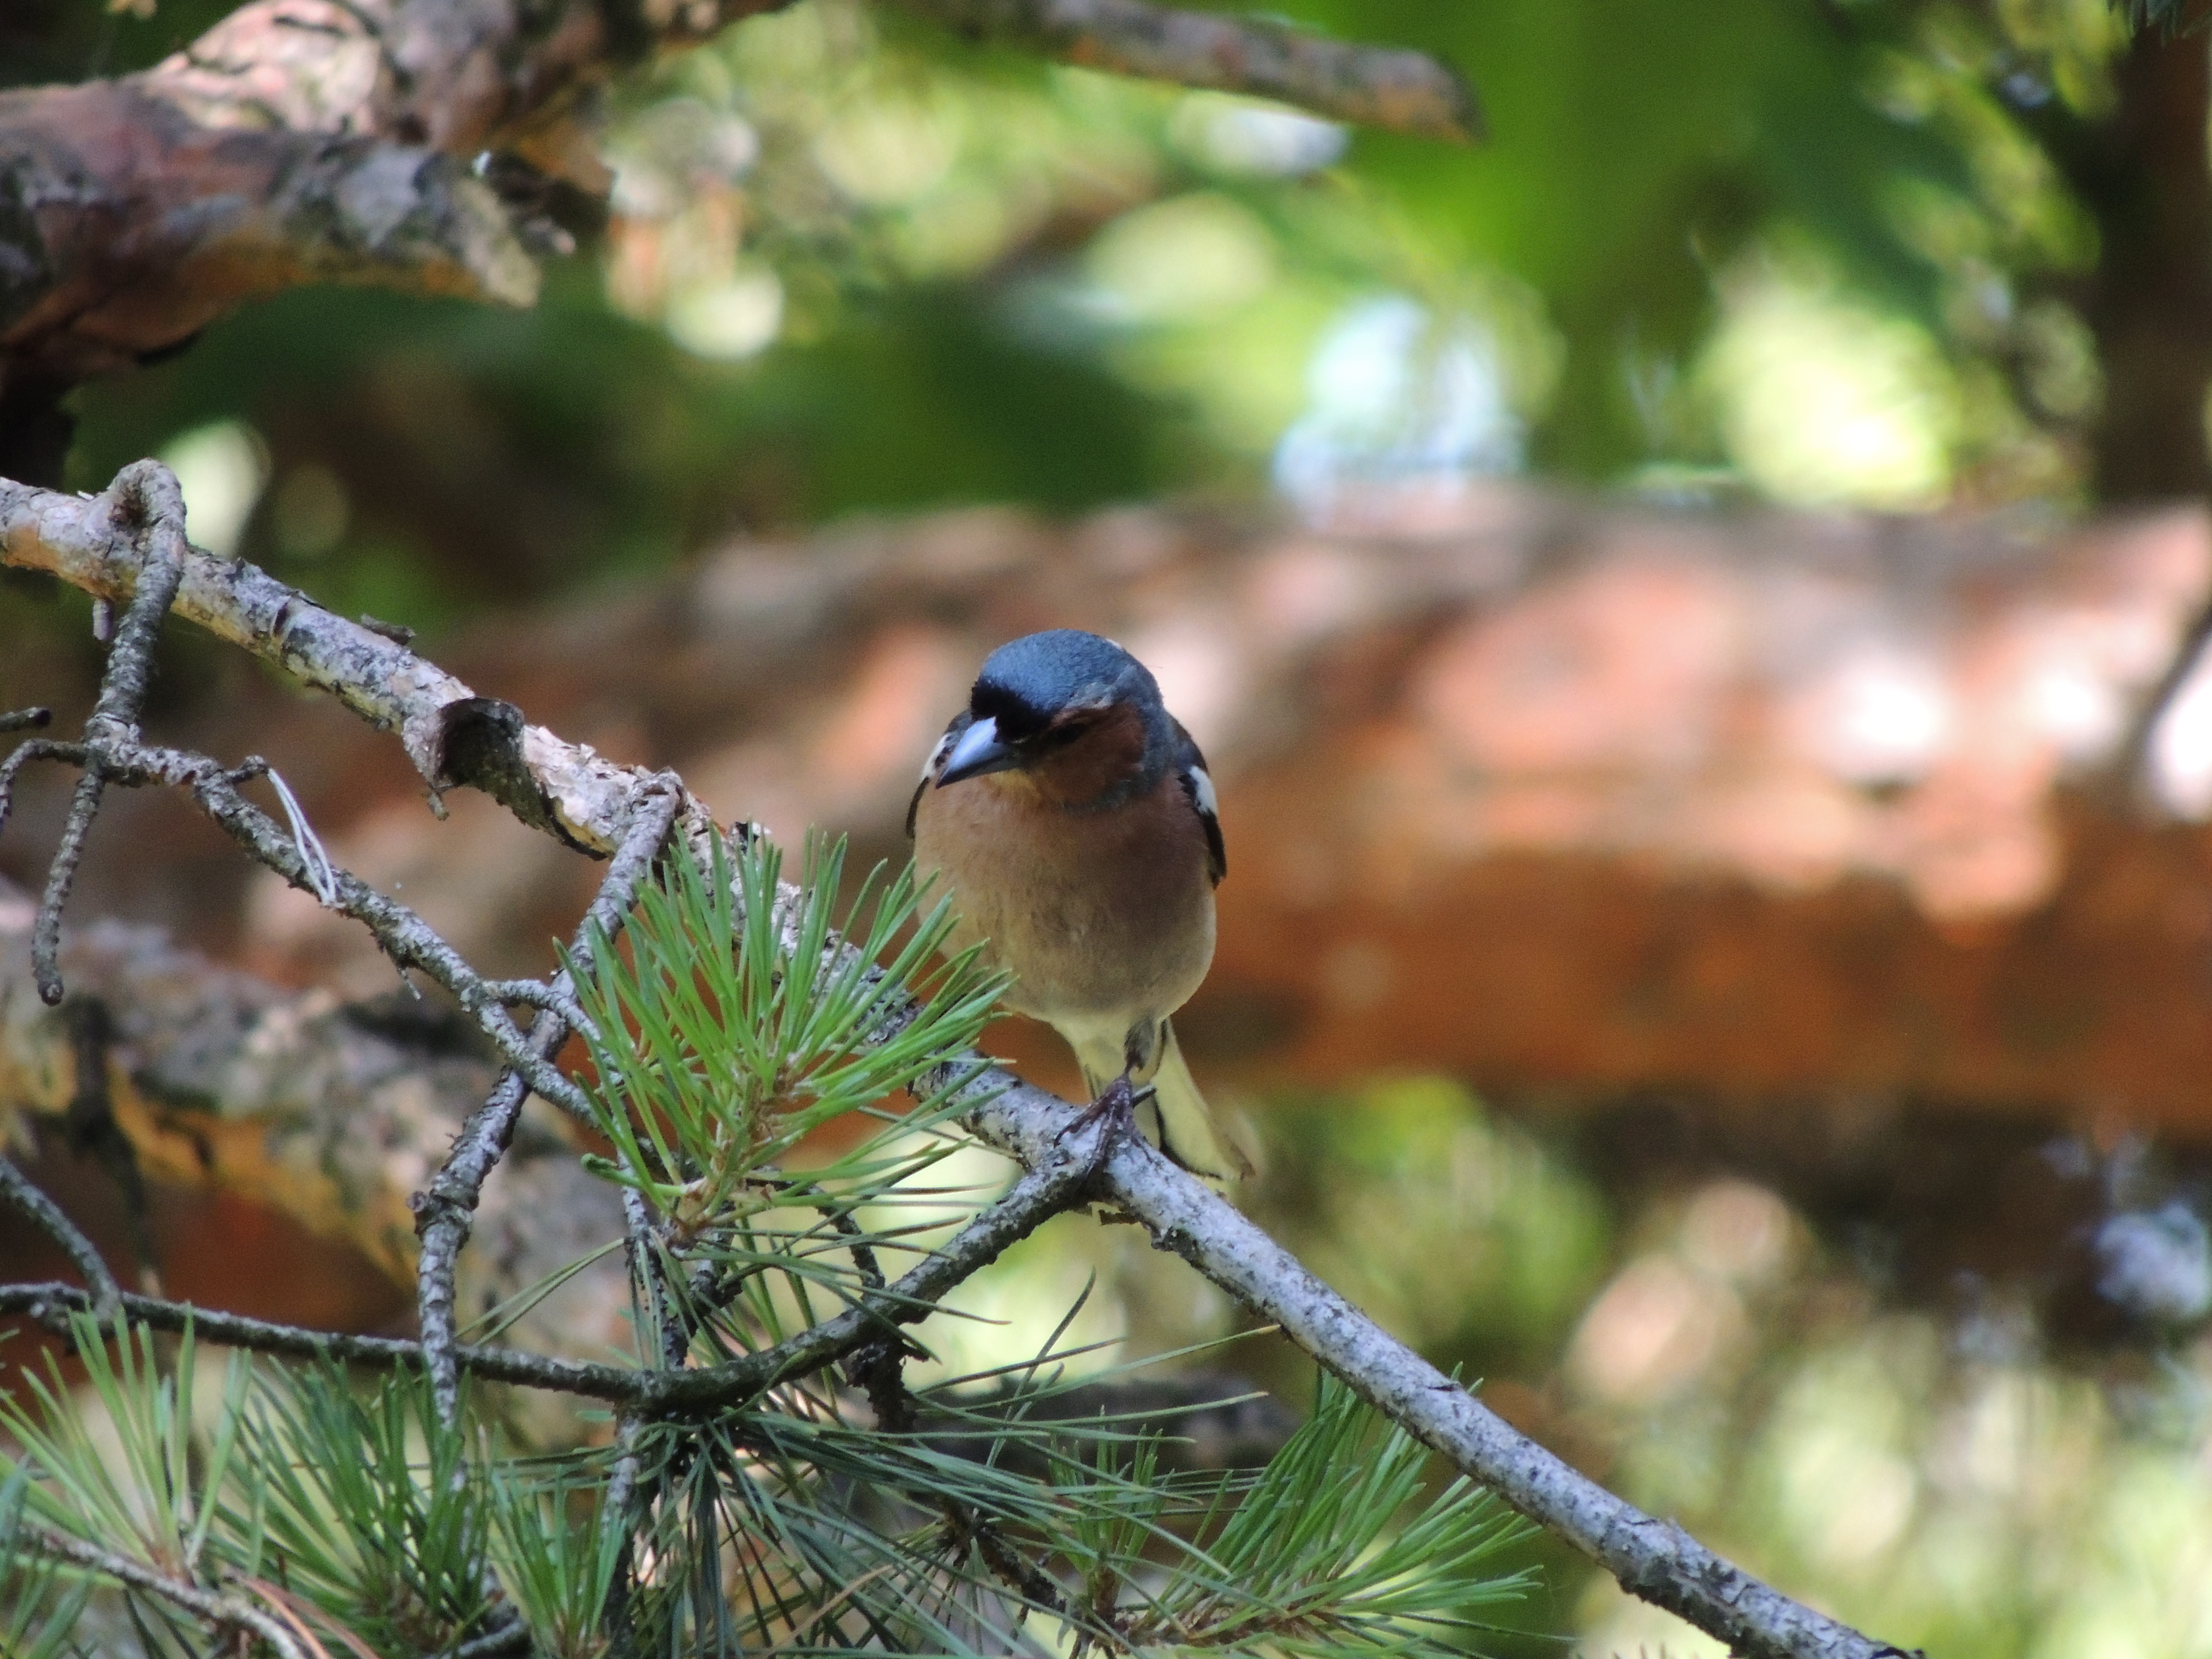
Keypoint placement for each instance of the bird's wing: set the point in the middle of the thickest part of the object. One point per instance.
(1198, 785)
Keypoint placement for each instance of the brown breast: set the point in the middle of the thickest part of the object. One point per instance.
(1101, 913)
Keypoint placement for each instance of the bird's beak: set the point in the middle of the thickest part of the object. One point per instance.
(978, 751)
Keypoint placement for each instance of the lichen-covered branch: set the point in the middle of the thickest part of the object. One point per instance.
(588, 800)
(147, 500)
(454, 738)
(1653, 1559)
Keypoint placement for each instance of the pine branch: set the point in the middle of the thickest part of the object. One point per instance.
(405, 938)
(580, 797)
(223, 1612)
(331, 1113)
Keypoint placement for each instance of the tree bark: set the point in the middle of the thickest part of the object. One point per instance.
(2147, 178)
(337, 140)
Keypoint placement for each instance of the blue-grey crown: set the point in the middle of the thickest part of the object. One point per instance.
(1025, 682)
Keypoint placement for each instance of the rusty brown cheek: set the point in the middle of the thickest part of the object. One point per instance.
(1110, 751)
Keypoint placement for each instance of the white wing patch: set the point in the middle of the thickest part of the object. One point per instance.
(1201, 790)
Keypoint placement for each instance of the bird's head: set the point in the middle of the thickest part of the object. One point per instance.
(1069, 714)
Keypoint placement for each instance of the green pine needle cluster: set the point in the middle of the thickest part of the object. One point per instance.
(840, 1512)
(735, 1026)
(373, 1526)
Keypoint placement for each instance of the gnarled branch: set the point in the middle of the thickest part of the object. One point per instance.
(337, 140)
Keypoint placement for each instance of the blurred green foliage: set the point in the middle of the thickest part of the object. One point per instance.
(45, 41)
(1812, 250)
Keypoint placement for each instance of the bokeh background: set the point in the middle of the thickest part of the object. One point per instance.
(1694, 604)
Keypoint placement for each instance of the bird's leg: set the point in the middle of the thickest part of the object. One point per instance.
(1116, 1107)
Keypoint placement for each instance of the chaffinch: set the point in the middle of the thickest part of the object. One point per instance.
(1072, 819)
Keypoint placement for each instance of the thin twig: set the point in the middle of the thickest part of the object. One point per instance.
(1379, 86)
(220, 1610)
(147, 499)
(554, 997)
(445, 1211)
(856, 1241)
(61, 876)
(621, 1512)
(878, 1368)
(1039, 1195)
(26, 719)
(653, 1308)
(406, 937)
(50, 1303)
(445, 1214)
(25, 753)
(16, 1188)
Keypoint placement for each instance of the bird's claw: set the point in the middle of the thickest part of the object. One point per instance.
(1114, 1113)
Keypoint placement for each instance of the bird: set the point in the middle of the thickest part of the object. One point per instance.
(1072, 821)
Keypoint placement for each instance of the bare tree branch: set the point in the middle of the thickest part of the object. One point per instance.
(406, 938)
(584, 798)
(17, 1189)
(1376, 86)
(1653, 1559)
(330, 1113)
(51, 1304)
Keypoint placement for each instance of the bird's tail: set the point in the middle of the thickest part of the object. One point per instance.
(1190, 1132)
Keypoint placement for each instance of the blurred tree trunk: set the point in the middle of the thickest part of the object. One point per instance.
(2144, 174)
